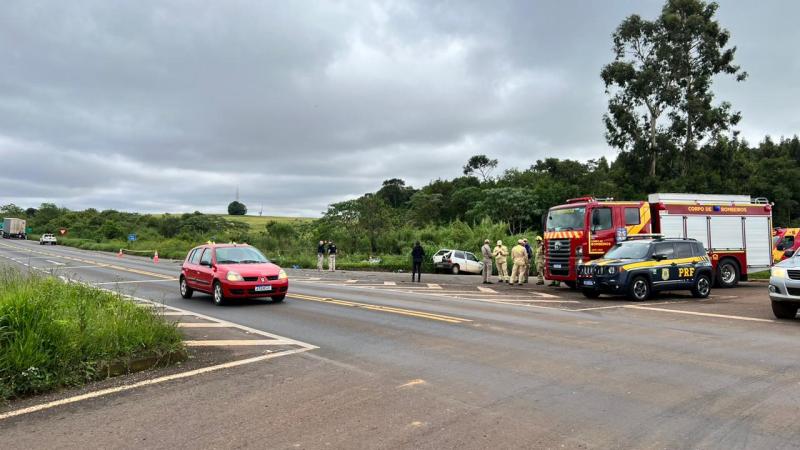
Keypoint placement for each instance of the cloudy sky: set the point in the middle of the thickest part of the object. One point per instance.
(168, 106)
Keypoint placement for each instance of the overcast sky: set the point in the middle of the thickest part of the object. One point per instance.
(168, 106)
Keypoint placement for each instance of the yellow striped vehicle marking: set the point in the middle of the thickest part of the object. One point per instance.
(666, 262)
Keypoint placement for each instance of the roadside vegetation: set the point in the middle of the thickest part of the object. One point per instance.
(671, 131)
(55, 334)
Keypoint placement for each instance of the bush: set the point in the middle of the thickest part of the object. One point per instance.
(55, 334)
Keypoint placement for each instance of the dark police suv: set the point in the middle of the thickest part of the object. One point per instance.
(646, 264)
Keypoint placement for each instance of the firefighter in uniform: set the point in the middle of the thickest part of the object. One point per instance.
(520, 258)
(539, 260)
(529, 252)
(500, 254)
(486, 252)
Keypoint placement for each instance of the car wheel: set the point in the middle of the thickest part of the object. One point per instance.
(591, 293)
(219, 299)
(186, 291)
(784, 310)
(456, 270)
(639, 289)
(571, 284)
(278, 298)
(727, 274)
(702, 287)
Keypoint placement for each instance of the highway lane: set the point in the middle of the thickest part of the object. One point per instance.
(497, 375)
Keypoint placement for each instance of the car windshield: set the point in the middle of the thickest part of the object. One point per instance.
(628, 250)
(566, 219)
(240, 255)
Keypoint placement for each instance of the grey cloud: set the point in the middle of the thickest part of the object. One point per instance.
(159, 106)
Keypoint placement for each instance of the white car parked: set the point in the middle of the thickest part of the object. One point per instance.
(47, 239)
(457, 261)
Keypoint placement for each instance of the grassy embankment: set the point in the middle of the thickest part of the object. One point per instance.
(55, 334)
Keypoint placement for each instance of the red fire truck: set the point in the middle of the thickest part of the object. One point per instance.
(735, 229)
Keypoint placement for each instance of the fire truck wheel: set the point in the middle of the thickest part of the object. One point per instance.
(702, 287)
(727, 273)
(639, 289)
(784, 310)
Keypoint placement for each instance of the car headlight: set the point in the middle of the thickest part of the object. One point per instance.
(778, 272)
(234, 276)
(282, 275)
(612, 270)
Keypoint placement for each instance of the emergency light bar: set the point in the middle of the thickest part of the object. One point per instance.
(632, 237)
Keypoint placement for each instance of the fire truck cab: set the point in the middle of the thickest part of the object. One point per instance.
(736, 231)
(783, 240)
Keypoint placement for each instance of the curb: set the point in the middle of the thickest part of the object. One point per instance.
(122, 367)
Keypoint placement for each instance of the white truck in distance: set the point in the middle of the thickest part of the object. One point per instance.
(14, 228)
(48, 239)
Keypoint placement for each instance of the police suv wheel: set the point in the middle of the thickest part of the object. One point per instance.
(702, 287)
(639, 289)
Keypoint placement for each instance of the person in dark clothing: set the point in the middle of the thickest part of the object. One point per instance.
(320, 255)
(417, 256)
(331, 256)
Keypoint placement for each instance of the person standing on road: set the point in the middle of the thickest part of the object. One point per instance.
(320, 256)
(486, 251)
(539, 260)
(331, 256)
(529, 251)
(500, 254)
(417, 256)
(520, 258)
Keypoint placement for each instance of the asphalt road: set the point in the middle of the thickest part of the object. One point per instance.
(444, 365)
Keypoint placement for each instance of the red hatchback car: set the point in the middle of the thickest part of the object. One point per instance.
(229, 271)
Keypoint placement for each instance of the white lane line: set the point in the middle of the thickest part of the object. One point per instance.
(176, 313)
(389, 283)
(625, 305)
(487, 290)
(151, 382)
(433, 286)
(693, 313)
(135, 281)
(54, 262)
(351, 281)
(234, 342)
(200, 325)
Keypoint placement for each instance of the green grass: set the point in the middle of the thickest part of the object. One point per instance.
(55, 334)
(259, 222)
(763, 275)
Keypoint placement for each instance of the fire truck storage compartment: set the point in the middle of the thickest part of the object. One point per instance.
(759, 248)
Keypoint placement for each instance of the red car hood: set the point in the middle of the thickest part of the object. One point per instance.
(252, 270)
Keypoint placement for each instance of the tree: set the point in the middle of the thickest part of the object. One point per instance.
(695, 52)
(395, 192)
(425, 208)
(373, 217)
(236, 208)
(660, 83)
(480, 164)
(11, 210)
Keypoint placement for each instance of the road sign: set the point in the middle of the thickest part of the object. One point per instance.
(132, 237)
(28, 230)
(62, 231)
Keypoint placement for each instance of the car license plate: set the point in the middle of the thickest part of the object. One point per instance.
(588, 283)
(263, 288)
(556, 266)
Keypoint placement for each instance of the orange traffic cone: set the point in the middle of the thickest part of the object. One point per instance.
(119, 255)
(155, 258)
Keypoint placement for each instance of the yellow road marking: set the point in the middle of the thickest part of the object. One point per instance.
(411, 383)
(389, 309)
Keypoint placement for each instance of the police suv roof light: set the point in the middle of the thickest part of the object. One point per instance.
(645, 236)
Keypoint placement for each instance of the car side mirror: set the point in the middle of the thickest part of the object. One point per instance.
(788, 253)
(659, 256)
